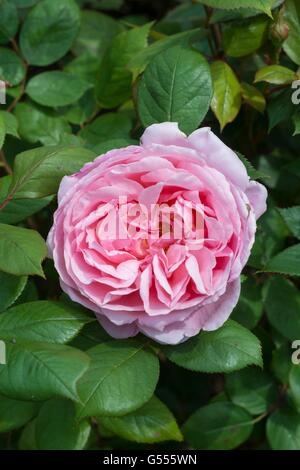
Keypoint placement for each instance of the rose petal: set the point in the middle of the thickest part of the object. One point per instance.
(219, 156)
(165, 133)
(218, 312)
(257, 195)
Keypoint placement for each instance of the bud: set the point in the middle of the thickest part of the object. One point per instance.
(279, 30)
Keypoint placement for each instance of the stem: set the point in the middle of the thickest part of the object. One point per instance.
(90, 119)
(260, 417)
(5, 202)
(31, 222)
(273, 406)
(211, 44)
(217, 36)
(275, 89)
(23, 83)
(17, 99)
(4, 163)
(94, 425)
(15, 46)
(216, 32)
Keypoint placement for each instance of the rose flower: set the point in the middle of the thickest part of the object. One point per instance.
(153, 238)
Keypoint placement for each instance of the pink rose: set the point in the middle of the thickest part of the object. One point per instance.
(150, 281)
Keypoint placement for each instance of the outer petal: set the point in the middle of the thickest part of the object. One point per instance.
(209, 317)
(219, 311)
(257, 195)
(66, 184)
(119, 332)
(166, 133)
(173, 334)
(50, 241)
(217, 155)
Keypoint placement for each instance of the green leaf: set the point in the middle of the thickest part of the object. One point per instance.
(291, 217)
(91, 335)
(109, 126)
(24, 3)
(223, 16)
(27, 440)
(253, 173)
(9, 21)
(83, 110)
(122, 377)
(183, 17)
(11, 289)
(53, 322)
(281, 363)
(286, 262)
(291, 15)
(40, 125)
(226, 101)
(249, 309)
(282, 304)
(39, 371)
(104, 147)
(38, 172)
(140, 61)
(275, 74)
(227, 349)
(296, 121)
(151, 423)
(20, 209)
(283, 430)
(29, 294)
(14, 413)
(56, 427)
(21, 251)
(253, 97)
(270, 238)
(85, 67)
(294, 382)
(218, 426)
(96, 33)
(251, 389)
(245, 37)
(176, 86)
(113, 86)
(294, 167)
(12, 70)
(108, 4)
(262, 5)
(49, 30)
(56, 88)
(270, 165)
(280, 108)
(11, 123)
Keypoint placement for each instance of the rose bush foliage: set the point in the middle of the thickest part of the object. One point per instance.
(109, 98)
